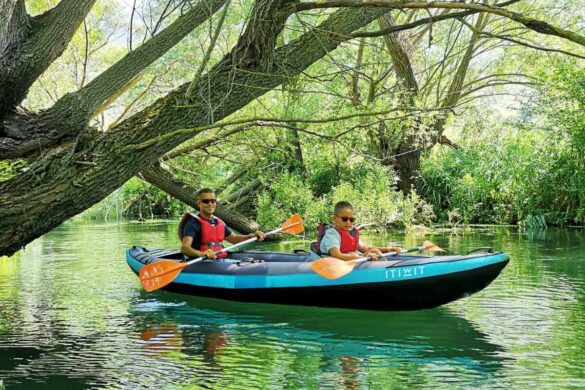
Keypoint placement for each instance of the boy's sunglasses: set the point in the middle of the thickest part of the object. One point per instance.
(208, 201)
(345, 219)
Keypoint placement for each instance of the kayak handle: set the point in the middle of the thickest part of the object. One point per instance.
(486, 249)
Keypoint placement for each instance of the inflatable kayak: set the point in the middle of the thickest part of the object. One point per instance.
(403, 282)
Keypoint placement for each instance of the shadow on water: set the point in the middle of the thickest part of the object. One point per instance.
(344, 340)
(445, 330)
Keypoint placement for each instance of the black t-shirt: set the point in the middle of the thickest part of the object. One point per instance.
(193, 228)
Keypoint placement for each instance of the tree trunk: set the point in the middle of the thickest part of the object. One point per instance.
(407, 165)
(69, 180)
(295, 149)
(164, 180)
(25, 136)
(415, 140)
(29, 49)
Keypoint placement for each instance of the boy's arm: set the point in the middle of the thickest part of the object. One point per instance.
(335, 252)
(331, 244)
(375, 251)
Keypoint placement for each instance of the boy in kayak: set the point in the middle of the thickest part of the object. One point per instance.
(203, 234)
(342, 239)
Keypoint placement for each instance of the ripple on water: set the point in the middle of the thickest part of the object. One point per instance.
(78, 318)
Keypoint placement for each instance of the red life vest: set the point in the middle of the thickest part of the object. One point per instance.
(349, 240)
(211, 236)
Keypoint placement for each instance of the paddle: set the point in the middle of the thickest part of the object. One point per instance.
(156, 275)
(332, 268)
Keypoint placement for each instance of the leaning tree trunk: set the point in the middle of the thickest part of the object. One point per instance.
(68, 180)
(163, 179)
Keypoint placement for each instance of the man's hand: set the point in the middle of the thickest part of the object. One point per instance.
(260, 235)
(209, 253)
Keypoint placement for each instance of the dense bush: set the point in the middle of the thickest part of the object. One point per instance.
(530, 171)
(368, 188)
(287, 195)
(520, 177)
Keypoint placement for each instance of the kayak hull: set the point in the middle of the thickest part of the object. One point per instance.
(403, 283)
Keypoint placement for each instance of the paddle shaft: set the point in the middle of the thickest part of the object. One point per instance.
(239, 244)
(366, 258)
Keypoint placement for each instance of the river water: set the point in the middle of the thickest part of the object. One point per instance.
(73, 315)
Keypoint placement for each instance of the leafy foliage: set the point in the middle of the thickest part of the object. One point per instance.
(531, 171)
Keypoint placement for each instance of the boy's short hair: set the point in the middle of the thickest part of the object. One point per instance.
(204, 191)
(341, 206)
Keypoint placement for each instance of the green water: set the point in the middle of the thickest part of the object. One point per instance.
(72, 315)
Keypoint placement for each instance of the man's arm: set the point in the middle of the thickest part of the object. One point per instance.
(235, 238)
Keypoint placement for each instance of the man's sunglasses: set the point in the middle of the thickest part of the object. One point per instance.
(345, 219)
(208, 201)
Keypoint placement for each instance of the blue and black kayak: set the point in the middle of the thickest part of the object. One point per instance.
(402, 283)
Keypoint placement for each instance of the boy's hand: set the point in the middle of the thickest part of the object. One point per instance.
(394, 249)
(374, 253)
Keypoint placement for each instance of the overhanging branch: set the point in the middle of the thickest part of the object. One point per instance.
(33, 54)
(258, 120)
(539, 26)
(63, 189)
(75, 109)
(88, 99)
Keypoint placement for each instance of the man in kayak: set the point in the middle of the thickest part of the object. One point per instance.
(342, 239)
(203, 234)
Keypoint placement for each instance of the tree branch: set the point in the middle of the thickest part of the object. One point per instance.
(258, 120)
(530, 23)
(255, 48)
(205, 143)
(400, 59)
(209, 50)
(63, 189)
(526, 44)
(88, 99)
(33, 55)
(77, 108)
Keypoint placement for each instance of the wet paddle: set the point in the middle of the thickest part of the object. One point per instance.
(332, 268)
(156, 275)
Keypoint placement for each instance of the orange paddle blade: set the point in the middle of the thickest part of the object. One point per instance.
(429, 246)
(293, 225)
(156, 275)
(332, 268)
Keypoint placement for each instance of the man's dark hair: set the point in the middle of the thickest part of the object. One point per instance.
(204, 191)
(342, 205)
